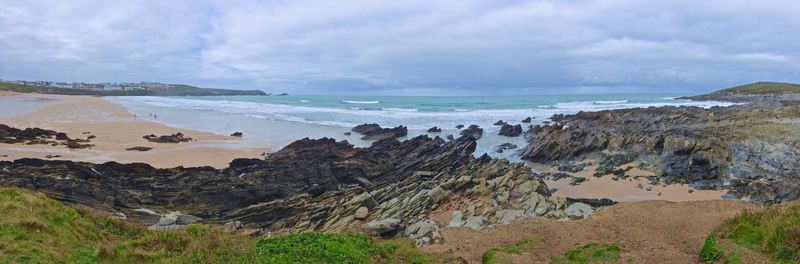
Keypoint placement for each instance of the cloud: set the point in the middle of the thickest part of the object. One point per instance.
(407, 47)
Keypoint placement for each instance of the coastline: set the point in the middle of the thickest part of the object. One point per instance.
(116, 129)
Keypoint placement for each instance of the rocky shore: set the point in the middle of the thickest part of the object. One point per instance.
(750, 149)
(311, 185)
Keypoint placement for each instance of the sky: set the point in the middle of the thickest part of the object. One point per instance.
(461, 47)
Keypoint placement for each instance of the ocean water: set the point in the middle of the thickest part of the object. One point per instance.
(279, 120)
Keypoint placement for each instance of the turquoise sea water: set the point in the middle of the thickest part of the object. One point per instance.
(279, 120)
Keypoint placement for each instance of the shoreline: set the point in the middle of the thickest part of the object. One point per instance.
(116, 129)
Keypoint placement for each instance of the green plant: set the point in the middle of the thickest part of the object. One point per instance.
(525, 245)
(711, 250)
(591, 253)
(774, 231)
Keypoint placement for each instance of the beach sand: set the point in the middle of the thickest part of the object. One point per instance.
(116, 130)
(624, 190)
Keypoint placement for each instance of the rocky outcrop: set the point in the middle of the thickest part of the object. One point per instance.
(747, 149)
(376, 132)
(174, 138)
(510, 131)
(473, 131)
(503, 147)
(34, 136)
(308, 185)
(139, 149)
(434, 130)
(527, 120)
(237, 134)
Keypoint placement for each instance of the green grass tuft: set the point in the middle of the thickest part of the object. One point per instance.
(774, 231)
(528, 245)
(711, 251)
(591, 253)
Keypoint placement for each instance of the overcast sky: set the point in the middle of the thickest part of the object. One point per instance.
(407, 47)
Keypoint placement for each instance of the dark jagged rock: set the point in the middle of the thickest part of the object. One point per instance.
(527, 120)
(570, 167)
(746, 149)
(12, 135)
(366, 128)
(510, 131)
(237, 134)
(459, 126)
(577, 181)
(74, 144)
(592, 202)
(499, 123)
(376, 132)
(434, 130)
(308, 185)
(174, 138)
(347, 133)
(450, 137)
(505, 146)
(473, 131)
(61, 136)
(139, 149)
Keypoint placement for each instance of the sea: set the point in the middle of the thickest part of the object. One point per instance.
(279, 120)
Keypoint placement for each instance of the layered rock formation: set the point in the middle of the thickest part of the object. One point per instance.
(750, 149)
(309, 185)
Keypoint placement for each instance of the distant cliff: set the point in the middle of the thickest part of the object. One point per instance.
(753, 92)
(173, 90)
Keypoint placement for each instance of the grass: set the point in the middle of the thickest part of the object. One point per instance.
(773, 231)
(526, 245)
(590, 253)
(36, 229)
(711, 251)
(764, 88)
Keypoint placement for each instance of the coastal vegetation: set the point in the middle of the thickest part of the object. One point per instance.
(773, 231)
(591, 253)
(37, 229)
(172, 90)
(764, 88)
(494, 255)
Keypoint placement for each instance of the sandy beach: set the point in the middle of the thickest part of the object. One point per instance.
(116, 130)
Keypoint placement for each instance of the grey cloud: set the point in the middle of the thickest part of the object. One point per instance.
(402, 47)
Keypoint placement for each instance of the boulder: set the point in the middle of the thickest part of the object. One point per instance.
(361, 213)
(459, 126)
(424, 232)
(510, 131)
(457, 219)
(434, 130)
(187, 219)
(499, 123)
(527, 120)
(579, 211)
(476, 223)
(232, 226)
(384, 226)
(237, 134)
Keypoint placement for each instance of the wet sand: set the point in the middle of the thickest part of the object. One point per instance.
(115, 129)
(625, 190)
